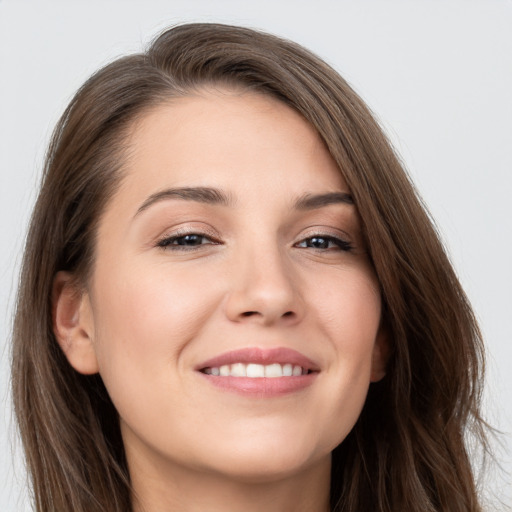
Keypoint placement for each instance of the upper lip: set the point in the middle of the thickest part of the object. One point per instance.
(264, 356)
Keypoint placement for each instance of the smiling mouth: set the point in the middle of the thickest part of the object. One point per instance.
(257, 371)
(260, 373)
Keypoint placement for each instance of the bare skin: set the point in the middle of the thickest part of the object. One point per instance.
(232, 230)
(305, 492)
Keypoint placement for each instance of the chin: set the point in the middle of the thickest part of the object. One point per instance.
(266, 460)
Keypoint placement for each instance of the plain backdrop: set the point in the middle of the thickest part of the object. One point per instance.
(438, 74)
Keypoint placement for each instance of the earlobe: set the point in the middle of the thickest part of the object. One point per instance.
(380, 355)
(73, 324)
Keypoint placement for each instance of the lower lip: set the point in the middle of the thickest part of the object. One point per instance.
(261, 386)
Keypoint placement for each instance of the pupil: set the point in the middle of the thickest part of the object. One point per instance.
(190, 240)
(319, 243)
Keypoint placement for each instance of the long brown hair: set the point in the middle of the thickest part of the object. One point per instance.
(408, 450)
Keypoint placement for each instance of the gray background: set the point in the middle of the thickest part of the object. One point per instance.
(438, 75)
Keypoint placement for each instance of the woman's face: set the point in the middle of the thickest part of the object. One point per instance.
(232, 247)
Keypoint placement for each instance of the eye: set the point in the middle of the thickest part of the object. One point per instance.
(185, 241)
(324, 243)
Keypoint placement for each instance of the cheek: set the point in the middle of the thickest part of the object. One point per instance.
(348, 307)
(348, 312)
(143, 323)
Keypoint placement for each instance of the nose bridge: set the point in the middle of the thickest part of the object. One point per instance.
(263, 285)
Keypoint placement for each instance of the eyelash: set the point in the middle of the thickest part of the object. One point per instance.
(172, 242)
(342, 245)
(168, 242)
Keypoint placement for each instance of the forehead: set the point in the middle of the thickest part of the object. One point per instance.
(240, 141)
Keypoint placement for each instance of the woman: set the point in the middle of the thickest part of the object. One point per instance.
(232, 298)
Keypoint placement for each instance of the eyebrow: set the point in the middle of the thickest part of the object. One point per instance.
(205, 195)
(314, 201)
(214, 196)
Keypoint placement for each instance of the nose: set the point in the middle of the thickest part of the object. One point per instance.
(264, 290)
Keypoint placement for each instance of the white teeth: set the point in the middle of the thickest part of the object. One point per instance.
(238, 370)
(273, 370)
(297, 370)
(257, 370)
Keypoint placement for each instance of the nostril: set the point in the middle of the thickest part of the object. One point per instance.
(252, 313)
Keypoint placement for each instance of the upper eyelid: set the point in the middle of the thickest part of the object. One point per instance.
(213, 234)
(326, 232)
(184, 231)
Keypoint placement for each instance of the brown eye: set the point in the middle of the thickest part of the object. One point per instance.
(190, 240)
(325, 243)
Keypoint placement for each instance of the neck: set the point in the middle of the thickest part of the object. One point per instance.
(187, 490)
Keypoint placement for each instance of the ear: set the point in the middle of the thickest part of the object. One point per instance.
(73, 324)
(380, 355)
